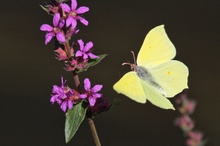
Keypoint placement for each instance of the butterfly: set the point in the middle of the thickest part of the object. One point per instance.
(155, 76)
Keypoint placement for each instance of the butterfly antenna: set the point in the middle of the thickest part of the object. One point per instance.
(133, 57)
(126, 63)
(132, 65)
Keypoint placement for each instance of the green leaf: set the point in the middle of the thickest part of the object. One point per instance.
(74, 118)
(92, 62)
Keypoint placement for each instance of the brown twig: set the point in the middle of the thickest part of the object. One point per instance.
(94, 132)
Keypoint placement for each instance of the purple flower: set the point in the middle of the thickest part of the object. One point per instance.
(91, 93)
(54, 31)
(185, 123)
(85, 51)
(187, 105)
(64, 96)
(74, 14)
(195, 139)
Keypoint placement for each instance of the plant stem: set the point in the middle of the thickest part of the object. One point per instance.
(67, 49)
(75, 76)
(94, 132)
(77, 83)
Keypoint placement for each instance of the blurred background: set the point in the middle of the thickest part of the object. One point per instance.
(29, 70)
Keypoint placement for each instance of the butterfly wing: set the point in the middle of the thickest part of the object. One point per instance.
(156, 48)
(131, 86)
(155, 55)
(171, 76)
(155, 97)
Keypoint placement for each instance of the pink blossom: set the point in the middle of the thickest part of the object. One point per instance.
(74, 14)
(195, 139)
(185, 123)
(64, 96)
(187, 105)
(91, 93)
(85, 51)
(54, 31)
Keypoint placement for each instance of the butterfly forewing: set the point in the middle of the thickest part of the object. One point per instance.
(156, 48)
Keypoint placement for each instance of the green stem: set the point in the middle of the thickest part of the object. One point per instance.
(94, 132)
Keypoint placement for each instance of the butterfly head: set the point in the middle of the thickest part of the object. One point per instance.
(132, 65)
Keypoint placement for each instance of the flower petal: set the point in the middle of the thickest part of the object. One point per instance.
(87, 84)
(61, 24)
(82, 10)
(97, 95)
(56, 19)
(73, 4)
(60, 37)
(69, 21)
(83, 21)
(78, 53)
(92, 101)
(65, 7)
(83, 96)
(46, 27)
(69, 104)
(56, 89)
(64, 106)
(53, 98)
(48, 37)
(81, 44)
(62, 95)
(92, 56)
(97, 88)
(74, 23)
(88, 46)
(85, 56)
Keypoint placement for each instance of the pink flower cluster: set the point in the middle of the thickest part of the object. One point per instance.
(76, 56)
(67, 97)
(68, 16)
(65, 20)
(185, 122)
(64, 96)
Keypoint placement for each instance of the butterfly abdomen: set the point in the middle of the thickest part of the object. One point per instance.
(145, 75)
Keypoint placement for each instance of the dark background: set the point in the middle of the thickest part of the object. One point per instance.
(28, 71)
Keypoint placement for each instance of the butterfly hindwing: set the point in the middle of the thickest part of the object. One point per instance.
(155, 97)
(171, 76)
(131, 86)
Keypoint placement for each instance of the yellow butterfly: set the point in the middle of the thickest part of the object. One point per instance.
(156, 76)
